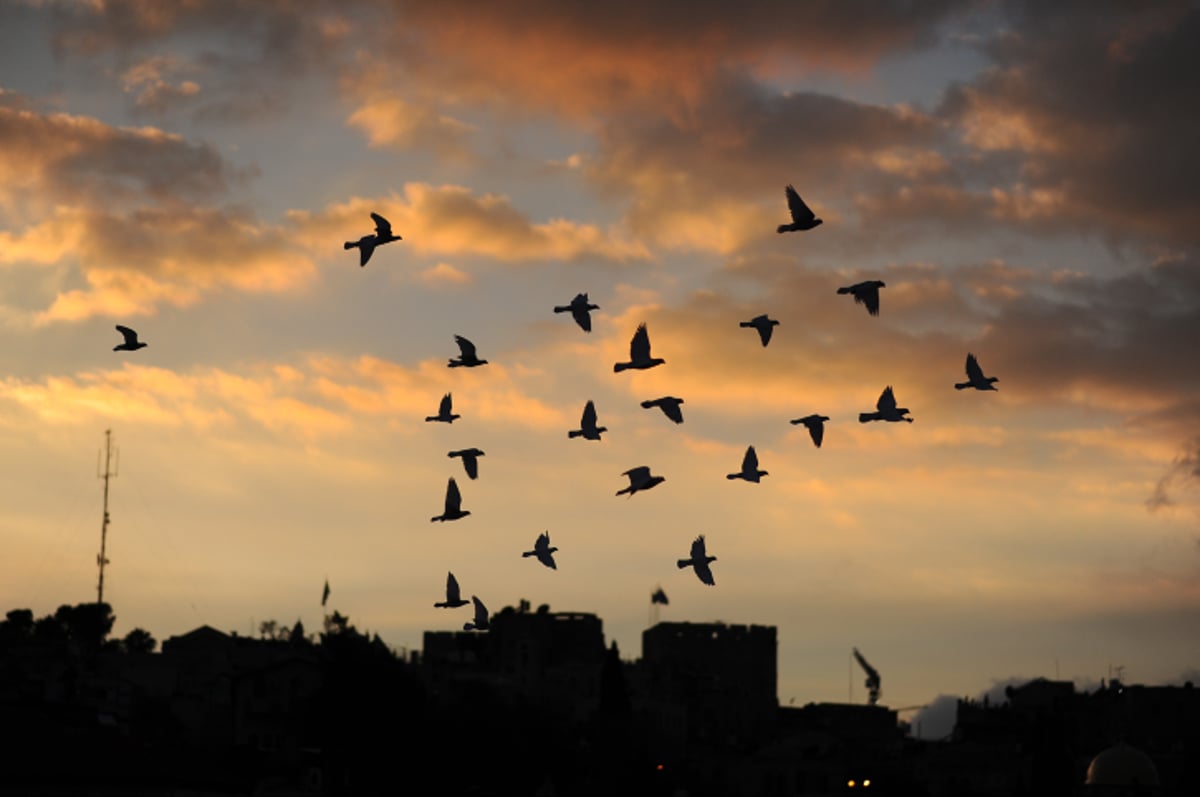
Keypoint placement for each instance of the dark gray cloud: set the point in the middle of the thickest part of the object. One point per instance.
(73, 158)
(1184, 471)
(1098, 101)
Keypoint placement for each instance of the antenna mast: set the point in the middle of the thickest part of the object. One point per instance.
(108, 473)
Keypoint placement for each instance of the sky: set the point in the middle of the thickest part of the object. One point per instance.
(1023, 176)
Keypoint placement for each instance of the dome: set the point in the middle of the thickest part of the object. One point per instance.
(1122, 765)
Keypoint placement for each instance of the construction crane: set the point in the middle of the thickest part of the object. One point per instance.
(873, 682)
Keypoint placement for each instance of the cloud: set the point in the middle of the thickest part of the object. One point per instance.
(444, 274)
(1184, 471)
(135, 261)
(50, 158)
(1094, 103)
(392, 122)
(450, 220)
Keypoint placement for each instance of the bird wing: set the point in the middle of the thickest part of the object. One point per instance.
(704, 572)
(581, 316)
(588, 421)
(887, 400)
(974, 372)
(638, 475)
(800, 211)
(698, 553)
(466, 347)
(816, 430)
(452, 592)
(750, 461)
(383, 227)
(765, 328)
(543, 542)
(444, 407)
(671, 408)
(453, 497)
(639, 347)
(365, 250)
(481, 612)
(129, 335)
(870, 297)
(471, 464)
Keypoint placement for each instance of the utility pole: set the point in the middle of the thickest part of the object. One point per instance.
(108, 473)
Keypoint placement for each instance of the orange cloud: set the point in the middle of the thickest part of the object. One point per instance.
(450, 220)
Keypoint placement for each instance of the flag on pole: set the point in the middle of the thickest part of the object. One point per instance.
(659, 597)
(325, 594)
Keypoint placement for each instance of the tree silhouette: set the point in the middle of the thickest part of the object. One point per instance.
(139, 641)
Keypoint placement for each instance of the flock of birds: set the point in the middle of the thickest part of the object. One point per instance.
(640, 478)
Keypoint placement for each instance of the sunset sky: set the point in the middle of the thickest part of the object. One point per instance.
(1025, 178)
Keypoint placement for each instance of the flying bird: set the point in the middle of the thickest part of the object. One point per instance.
(131, 340)
(453, 510)
(750, 471)
(639, 352)
(453, 598)
(886, 409)
(865, 293)
(699, 562)
(588, 429)
(444, 413)
(470, 459)
(639, 479)
(467, 357)
(481, 617)
(366, 245)
(764, 326)
(815, 425)
(658, 596)
(543, 551)
(579, 309)
(669, 405)
(975, 377)
(802, 217)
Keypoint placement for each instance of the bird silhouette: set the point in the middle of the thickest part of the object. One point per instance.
(467, 356)
(453, 598)
(543, 551)
(131, 340)
(588, 429)
(975, 377)
(453, 509)
(579, 309)
(366, 245)
(764, 325)
(658, 596)
(470, 459)
(640, 479)
(886, 409)
(865, 293)
(444, 414)
(816, 427)
(750, 471)
(699, 562)
(802, 217)
(480, 622)
(639, 352)
(669, 405)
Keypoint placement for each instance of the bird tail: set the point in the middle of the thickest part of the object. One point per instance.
(350, 244)
(529, 553)
(783, 228)
(559, 308)
(441, 605)
(454, 364)
(843, 290)
(746, 324)
(648, 403)
(863, 417)
(619, 367)
(732, 476)
(438, 517)
(682, 563)
(625, 490)
(961, 385)
(575, 433)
